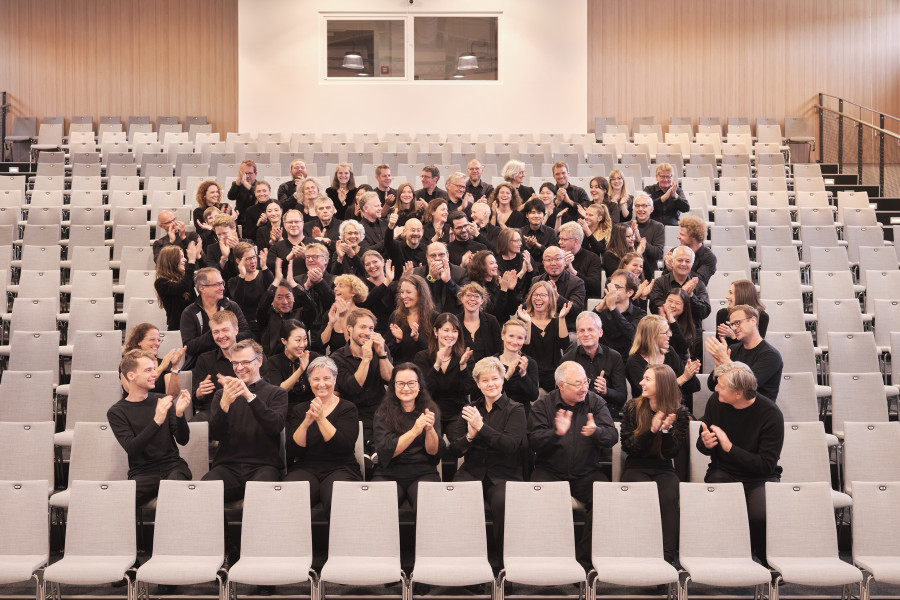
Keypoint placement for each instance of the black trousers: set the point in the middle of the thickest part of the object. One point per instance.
(236, 476)
(147, 483)
(320, 487)
(407, 489)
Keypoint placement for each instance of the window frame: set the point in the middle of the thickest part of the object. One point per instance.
(409, 49)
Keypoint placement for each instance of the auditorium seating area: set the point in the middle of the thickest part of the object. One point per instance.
(77, 272)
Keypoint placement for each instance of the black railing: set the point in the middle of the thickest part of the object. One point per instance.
(861, 141)
(3, 108)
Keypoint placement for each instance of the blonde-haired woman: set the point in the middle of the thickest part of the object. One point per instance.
(651, 347)
(619, 197)
(343, 188)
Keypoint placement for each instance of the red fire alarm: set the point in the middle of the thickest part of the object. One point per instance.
(385, 70)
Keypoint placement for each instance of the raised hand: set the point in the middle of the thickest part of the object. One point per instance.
(590, 427)
(657, 422)
(162, 409)
(396, 332)
(182, 402)
(565, 310)
(562, 421)
(722, 438)
(414, 330)
(600, 383)
(471, 415)
(206, 387)
(709, 437)
(464, 360)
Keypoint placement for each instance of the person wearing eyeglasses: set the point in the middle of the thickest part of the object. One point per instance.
(668, 198)
(568, 429)
(195, 332)
(682, 277)
(649, 234)
(569, 287)
(318, 284)
(751, 349)
(619, 315)
(246, 417)
(292, 245)
(458, 199)
(407, 434)
(430, 177)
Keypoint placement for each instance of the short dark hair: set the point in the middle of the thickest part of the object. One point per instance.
(534, 204)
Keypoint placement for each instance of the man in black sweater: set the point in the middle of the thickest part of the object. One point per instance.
(751, 349)
(618, 314)
(463, 242)
(582, 263)
(407, 249)
(743, 432)
(668, 199)
(248, 415)
(650, 235)
(568, 195)
(147, 425)
(603, 366)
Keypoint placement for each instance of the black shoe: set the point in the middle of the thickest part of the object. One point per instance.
(265, 590)
(166, 590)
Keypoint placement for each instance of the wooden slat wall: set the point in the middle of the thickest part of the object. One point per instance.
(112, 57)
(721, 58)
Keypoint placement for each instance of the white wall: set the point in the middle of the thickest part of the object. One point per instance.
(542, 87)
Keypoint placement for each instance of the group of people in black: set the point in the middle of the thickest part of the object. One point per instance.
(437, 324)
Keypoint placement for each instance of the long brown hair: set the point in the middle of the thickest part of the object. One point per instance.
(668, 400)
(745, 293)
(424, 308)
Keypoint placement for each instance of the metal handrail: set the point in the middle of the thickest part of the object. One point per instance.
(861, 122)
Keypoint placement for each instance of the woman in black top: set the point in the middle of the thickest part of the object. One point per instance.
(145, 336)
(347, 253)
(597, 228)
(500, 287)
(250, 285)
(323, 434)
(343, 188)
(271, 231)
(412, 323)
(481, 331)
(255, 214)
(490, 433)
(522, 384)
(381, 300)
(685, 339)
(514, 174)
(511, 257)
(548, 335)
(175, 281)
(651, 347)
(505, 203)
(405, 205)
(741, 292)
(407, 433)
(621, 242)
(619, 200)
(434, 222)
(446, 365)
(209, 194)
(288, 369)
(654, 432)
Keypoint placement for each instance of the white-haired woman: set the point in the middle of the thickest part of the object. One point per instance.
(323, 436)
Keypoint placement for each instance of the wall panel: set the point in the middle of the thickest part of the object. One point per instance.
(107, 57)
(728, 58)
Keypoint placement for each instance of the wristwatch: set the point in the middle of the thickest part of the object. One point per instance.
(431, 278)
